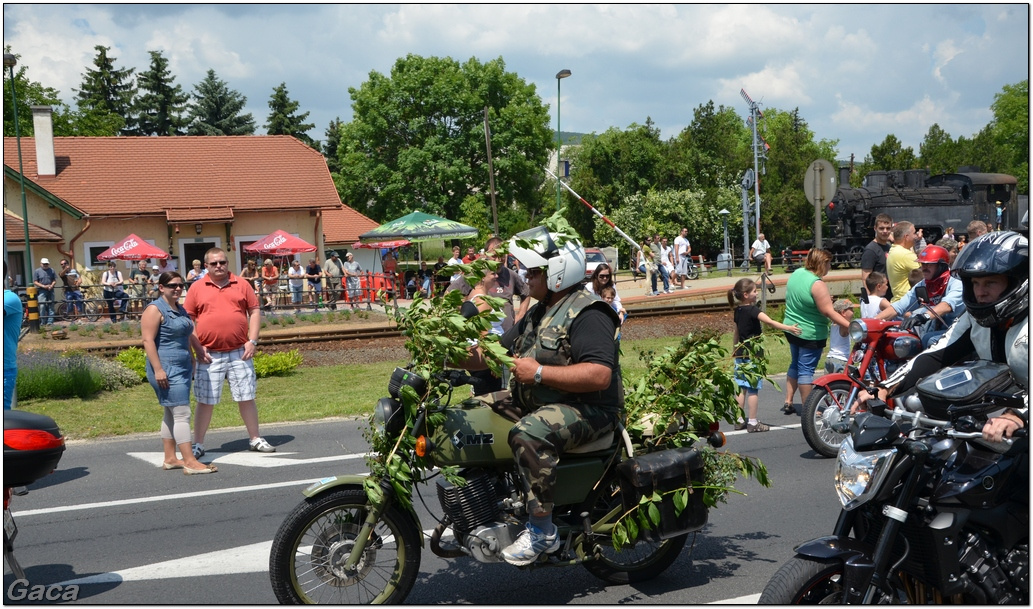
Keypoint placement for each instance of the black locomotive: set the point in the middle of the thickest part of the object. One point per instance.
(932, 203)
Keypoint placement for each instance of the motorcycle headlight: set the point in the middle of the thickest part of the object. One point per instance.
(858, 331)
(906, 346)
(388, 417)
(860, 474)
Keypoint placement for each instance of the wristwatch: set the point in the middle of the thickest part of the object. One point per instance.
(538, 375)
(253, 341)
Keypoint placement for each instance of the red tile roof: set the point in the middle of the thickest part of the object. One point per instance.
(344, 225)
(14, 230)
(132, 176)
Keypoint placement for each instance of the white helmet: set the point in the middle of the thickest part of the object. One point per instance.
(564, 264)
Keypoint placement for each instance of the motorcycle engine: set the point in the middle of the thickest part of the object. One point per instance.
(472, 505)
(1004, 581)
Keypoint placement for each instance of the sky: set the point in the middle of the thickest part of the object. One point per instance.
(856, 72)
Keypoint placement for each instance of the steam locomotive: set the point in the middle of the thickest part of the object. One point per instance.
(932, 203)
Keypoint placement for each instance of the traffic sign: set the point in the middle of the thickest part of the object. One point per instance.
(820, 186)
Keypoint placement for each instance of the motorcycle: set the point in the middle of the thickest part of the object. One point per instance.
(878, 347)
(932, 513)
(33, 445)
(357, 538)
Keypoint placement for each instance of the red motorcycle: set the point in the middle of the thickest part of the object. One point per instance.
(878, 345)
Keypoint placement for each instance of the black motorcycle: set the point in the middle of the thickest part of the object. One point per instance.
(932, 513)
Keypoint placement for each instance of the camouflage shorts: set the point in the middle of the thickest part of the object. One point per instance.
(540, 439)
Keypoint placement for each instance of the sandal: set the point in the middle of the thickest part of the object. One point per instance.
(171, 466)
(787, 409)
(210, 469)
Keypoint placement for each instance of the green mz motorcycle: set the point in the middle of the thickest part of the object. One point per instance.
(357, 538)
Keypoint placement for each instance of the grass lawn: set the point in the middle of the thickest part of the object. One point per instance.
(308, 394)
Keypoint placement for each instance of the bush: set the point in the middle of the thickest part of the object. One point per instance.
(276, 364)
(135, 359)
(46, 374)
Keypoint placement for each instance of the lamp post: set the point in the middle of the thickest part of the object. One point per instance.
(559, 139)
(9, 62)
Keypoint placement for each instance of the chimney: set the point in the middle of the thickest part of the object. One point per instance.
(43, 125)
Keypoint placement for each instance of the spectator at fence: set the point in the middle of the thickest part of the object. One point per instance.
(140, 281)
(333, 272)
(352, 272)
(296, 282)
(314, 277)
(901, 259)
(682, 251)
(154, 289)
(226, 313)
(270, 283)
(471, 255)
(73, 289)
(760, 252)
(44, 278)
(12, 333)
(657, 251)
(112, 291)
(169, 342)
(251, 274)
(195, 273)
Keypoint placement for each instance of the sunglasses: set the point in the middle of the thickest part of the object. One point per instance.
(218, 263)
(604, 275)
(174, 286)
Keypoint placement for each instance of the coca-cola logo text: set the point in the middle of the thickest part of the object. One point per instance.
(125, 247)
(278, 240)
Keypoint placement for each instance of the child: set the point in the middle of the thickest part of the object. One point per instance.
(839, 338)
(743, 297)
(877, 285)
(609, 293)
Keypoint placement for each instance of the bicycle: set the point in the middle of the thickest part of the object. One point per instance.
(65, 311)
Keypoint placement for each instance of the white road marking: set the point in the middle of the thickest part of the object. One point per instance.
(750, 599)
(250, 459)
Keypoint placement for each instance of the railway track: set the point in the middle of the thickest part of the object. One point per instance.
(315, 334)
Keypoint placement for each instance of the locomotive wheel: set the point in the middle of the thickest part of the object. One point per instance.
(854, 256)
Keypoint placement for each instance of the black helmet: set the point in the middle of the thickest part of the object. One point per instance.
(999, 253)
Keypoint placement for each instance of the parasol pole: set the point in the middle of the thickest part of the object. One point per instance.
(635, 246)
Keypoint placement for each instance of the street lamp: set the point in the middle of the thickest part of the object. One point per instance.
(559, 138)
(9, 62)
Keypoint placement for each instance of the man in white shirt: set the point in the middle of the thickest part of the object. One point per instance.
(682, 251)
(760, 251)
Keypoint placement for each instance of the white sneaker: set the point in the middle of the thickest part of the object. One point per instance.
(260, 445)
(198, 450)
(529, 545)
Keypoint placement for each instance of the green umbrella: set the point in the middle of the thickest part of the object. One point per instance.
(417, 227)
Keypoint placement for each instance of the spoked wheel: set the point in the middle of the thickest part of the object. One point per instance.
(823, 408)
(307, 560)
(692, 272)
(854, 256)
(632, 563)
(805, 581)
(92, 311)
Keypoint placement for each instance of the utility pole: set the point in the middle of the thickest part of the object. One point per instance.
(760, 148)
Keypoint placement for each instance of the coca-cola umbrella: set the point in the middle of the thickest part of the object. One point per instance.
(279, 243)
(132, 248)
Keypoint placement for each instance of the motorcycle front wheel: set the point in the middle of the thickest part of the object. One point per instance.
(822, 405)
(306, 563)
(805, 581)
(632, 563)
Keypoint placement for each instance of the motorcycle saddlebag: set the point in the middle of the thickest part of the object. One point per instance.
(961, 384)
(665, 471)
(32, 447)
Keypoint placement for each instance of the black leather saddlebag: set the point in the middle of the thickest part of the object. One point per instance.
(32, 447)
(664, 471)
(961, 385)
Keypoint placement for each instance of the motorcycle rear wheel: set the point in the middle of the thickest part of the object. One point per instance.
(640, 562)
(309, 550)
(805, 581)
(816, 429)
(692, 272)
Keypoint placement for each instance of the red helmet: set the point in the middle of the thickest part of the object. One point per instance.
(933, 254)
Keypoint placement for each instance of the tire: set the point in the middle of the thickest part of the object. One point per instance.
(816, 429)
(61, 311)
(640, 562)
(305, 563)
(91, 311)
(805, 581)
(692, 272)
(854, 256)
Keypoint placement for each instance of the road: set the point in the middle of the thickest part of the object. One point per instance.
(125, 531)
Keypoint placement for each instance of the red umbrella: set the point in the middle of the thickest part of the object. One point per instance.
(279, 243)
(132, 248)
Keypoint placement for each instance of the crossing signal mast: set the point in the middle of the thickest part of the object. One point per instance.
(760, 149)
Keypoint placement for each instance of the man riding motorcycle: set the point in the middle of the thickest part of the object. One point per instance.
(566, 384)
(994, 273)
(943, 291)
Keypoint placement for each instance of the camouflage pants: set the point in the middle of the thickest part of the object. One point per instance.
(540, 439)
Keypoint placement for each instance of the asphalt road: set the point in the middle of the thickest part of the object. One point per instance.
(113, 523)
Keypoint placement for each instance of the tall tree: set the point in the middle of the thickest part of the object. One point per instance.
(284, 118)
(1010, 130)
(107, 90)
(938, 152)
(417, 140)
(333, 143)
(891, 154)
(216, 109)
(160, 106)
(712, 152)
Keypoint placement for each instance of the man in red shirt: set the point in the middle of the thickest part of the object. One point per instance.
(471, 255)
(225, 311)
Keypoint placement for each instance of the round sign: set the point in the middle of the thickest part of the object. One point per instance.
(820, 182)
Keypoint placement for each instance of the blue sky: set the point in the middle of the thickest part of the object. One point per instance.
(856, 72)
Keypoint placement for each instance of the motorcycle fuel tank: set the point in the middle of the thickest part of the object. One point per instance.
(472, 434)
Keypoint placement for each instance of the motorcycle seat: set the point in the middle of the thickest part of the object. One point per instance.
(605, 441)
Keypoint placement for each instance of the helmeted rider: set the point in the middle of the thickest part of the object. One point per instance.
(994, 274)
(566, 383)
(942, 290)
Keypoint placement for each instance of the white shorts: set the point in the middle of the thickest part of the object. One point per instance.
(208, 378)
(683, 265)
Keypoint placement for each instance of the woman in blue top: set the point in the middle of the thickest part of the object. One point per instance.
(168, 336)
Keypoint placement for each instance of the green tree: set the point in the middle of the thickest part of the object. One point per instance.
(938, 152)
(416, 140)
(332, 145)
(711, 153)
(284, 118)
(891, 154)
(107, 90)
(216, 109)
(1010, 130)
(159, 107)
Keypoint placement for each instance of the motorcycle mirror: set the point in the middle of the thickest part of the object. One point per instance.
(922, 294)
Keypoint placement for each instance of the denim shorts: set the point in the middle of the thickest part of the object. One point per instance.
(741, 381)
(803, 363)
